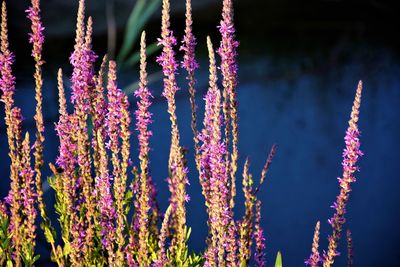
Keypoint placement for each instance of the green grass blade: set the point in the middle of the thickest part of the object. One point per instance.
(132, 22)
(278, 262)
(135, 58)
(140, 15)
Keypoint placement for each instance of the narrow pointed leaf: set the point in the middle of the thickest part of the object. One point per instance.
(278, 262)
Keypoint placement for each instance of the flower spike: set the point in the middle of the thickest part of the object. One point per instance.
(351, 154)
(176, 164)
(229, 68)
(143, 118)
(190, 65)
(315, 258)
(259, 255)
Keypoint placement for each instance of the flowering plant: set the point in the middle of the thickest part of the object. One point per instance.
(93, 169)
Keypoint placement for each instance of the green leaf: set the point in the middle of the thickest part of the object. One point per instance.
(188, 232)
(9, 263)
(135, 58)
(67, 249)
(140, 14)
(129, 37)
(35, 258)
(49, 235)
(278, 262)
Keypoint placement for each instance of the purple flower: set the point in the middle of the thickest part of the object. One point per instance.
(259, 254)
(189, 43)
(27, 193)
(7, 80)
(315, 257)
(176, 163)
(82, 60)
(351, 155)
(114, 114)
(213, 173)
(65, 129)
(36, 37)
(228, 54)
(143, 117)
(107, 211)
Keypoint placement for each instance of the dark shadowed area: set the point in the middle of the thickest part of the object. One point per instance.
(299, 65)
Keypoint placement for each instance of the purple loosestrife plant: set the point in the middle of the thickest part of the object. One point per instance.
(117, 109)
(143, 119)
(213, 176)
(351, 154)
(190, 64)
(36, 38)
(103, 222)
(106, 209)
(315, 258)
(177, 170)
(229, 68)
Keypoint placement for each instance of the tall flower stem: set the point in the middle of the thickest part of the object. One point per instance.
(315, 258)
(351, 155)
(7, 85)
(37, 40)
(259, 255)
(190, 65)
(13, 123)
(106, 205)
(117, 109)
(82, 82)
(99, 111)
(143, 118)
(349, 238)
(177, 169)
(246, 225)
(213, 175)
(228, 54)
(28, 196)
